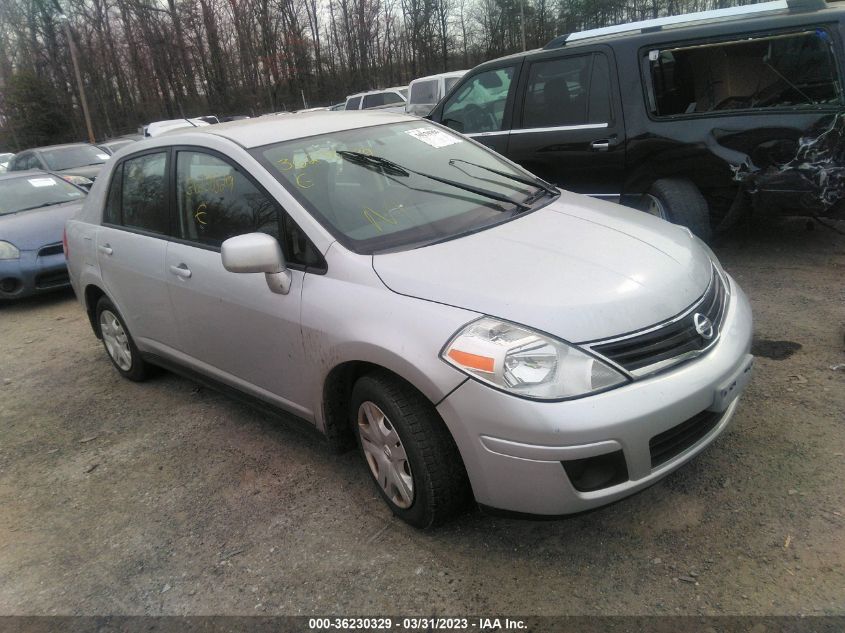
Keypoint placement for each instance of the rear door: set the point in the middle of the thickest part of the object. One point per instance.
(131, 247)
(568, 124)
(481, 106)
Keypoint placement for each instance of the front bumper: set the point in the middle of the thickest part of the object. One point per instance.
(31, 274)
(514, 449)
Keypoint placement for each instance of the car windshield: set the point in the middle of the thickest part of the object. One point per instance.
(34, 192)
(371, 207)
(75, 156)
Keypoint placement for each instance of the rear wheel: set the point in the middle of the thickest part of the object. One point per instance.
(408, 450)
(678, 200)
(119, 345)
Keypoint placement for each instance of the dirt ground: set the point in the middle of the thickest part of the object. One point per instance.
(167, 498)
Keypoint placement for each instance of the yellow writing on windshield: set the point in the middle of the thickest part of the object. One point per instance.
(388, 217)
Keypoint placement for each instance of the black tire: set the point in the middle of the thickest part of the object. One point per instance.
(138, 369)
(440, 485)
(681, 203)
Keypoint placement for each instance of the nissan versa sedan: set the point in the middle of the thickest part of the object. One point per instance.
(34, 207)
(478, 333)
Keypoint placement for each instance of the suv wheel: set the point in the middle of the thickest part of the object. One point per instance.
(410, 454)
(118, 343)
(678, 200)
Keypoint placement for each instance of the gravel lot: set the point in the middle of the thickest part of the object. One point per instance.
(167, 498)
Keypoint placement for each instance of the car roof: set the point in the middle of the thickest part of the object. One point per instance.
(451, 73)
(61, 146)
(684, 26)
(260, 131)
(371, 92)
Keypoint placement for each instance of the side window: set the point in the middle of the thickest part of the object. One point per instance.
(296, 246)
(391, 98)
(784, 71)
(557, 92)
(144, 193)
(424, 92)
(373, 100)
(353, 103)
(479, 104)
(112, 213)
(215, 201)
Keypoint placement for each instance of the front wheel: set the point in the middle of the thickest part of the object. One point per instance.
(678, 200)
(409, 452)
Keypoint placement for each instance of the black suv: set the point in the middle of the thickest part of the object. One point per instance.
(698, 118)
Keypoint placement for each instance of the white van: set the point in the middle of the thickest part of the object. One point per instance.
(425, 92)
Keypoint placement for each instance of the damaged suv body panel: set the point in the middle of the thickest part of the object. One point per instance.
(747, 110)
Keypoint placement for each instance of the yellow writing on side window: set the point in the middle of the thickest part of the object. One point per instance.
(215, 184)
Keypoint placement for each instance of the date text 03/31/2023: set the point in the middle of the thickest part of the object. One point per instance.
(416, 624)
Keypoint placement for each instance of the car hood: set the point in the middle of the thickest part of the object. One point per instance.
(87, 171)
(579, 268)
(30, 230)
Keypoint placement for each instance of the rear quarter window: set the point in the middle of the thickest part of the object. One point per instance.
(792, 70)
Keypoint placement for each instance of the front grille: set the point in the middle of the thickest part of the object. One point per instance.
(676, 440)
(51, 249)
(52, 280)
(674, 340)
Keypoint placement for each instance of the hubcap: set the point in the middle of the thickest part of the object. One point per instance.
(655, 207)
(385, 454)
(116, 340)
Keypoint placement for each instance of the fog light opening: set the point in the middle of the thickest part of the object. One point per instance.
(9, 285)
(595, 473)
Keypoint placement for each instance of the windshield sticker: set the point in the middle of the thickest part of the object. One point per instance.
(103, 156)
(42, 182)
(432, 136)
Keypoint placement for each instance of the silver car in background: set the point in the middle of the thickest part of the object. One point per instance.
(476, 332)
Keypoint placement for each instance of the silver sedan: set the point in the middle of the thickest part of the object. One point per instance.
(476, 332)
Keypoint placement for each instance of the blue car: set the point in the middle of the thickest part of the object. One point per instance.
(34, 206)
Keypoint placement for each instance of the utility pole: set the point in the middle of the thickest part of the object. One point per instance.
(74, 59)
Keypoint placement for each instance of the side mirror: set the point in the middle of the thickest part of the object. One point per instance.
(257, 253)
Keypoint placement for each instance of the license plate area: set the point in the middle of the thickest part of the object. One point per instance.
(728, 390)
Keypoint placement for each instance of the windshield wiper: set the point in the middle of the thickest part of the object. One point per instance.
(394, 169)
(38, 206)
(534, 182)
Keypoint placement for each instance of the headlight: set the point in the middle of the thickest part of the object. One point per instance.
(9, 251)
(79, 181)
(526, 363)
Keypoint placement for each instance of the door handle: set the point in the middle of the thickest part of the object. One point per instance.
(600, 146)
(181, 271)
(106, 249)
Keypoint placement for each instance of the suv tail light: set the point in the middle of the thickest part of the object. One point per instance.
(64, 243)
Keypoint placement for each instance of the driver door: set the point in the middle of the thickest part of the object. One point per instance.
(481, 106)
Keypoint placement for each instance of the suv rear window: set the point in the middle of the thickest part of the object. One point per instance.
(791, 70)
(424, 91)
